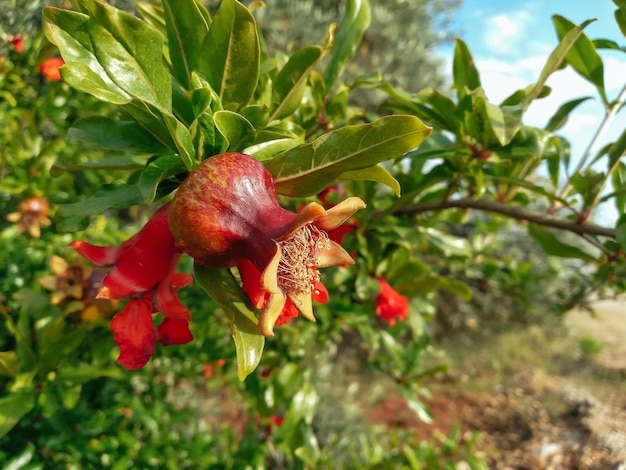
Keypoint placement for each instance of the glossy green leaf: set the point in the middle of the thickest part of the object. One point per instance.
(556, 58)
(617, 149)
(466, 77)
(354, 23)
(69, 31)
(236, 130)
(374, 173)
(183, 141)
(157, 171)
(583, 56)
(152, 120)
(131, 52)
(108, 133)
(231, 52)
(290, 83)
(186, 29)
(74, 217)
(309, 168)
(153, 14)
(13, 407)
(559, 119)
(224, 289)
(555, 247)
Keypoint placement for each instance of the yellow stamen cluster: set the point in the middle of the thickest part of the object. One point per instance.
(297, 268)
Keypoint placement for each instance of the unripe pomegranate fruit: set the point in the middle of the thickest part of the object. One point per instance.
(226, 212)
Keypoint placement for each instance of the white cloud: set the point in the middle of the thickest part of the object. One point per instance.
(503, 32)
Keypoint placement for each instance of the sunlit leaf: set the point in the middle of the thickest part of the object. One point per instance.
(231, 52)
(236, 130)
(224, 289)
(355, 21)
(559, 119)
(466, 77)
(186, 30)
(374, 173)
(582, 56)
(556, 58)
(290, 83)
(309, 168)
(131, 52)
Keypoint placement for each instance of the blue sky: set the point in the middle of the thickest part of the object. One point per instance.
(510, 42)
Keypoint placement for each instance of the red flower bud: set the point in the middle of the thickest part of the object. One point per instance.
(226, 212)
(391, 305)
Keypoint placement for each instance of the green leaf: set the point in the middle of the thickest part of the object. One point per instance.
(620, 19)
(617, 150)
(157, 171)
(22, 461)
(466, 77)
(290, 83)
(309, 168)
(74, 217)
(354, 23)
(555, 247)
(69, 31)
(583, 56)
(153, 14)
(231, 52)
(236, 129)
(9, 363)
(556, 58)
(131, 52)
(13, 407)
(504, 121)
(186, 29)
(183, 141)
(108, 133)
(620, 231)
(222, 287)
(374, 173)
(86, 373)
(559, 118)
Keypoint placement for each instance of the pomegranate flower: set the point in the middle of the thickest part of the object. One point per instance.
(391, 305)
(226, 211)
(143, 270)
(51, 68)
(31, 215)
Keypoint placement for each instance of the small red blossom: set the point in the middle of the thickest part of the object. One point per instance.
(51, 68)
(18, 43)
(391, 305)
(277, 420)
(142, 269)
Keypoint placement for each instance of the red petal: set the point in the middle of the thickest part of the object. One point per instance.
(289, 311)
(134, 333)
(167, 302)
(319, 293)
(251, 283)
(174, 331)
(391, 305)
(144, 260)
(98, 255)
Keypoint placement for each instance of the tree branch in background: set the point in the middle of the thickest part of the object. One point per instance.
(514, 212)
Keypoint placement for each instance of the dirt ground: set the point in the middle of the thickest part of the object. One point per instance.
(568, 416)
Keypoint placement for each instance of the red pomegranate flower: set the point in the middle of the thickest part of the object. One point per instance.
(143, 269)
(17, 42)
(226, 211)
(50, 68)
(391, 305)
